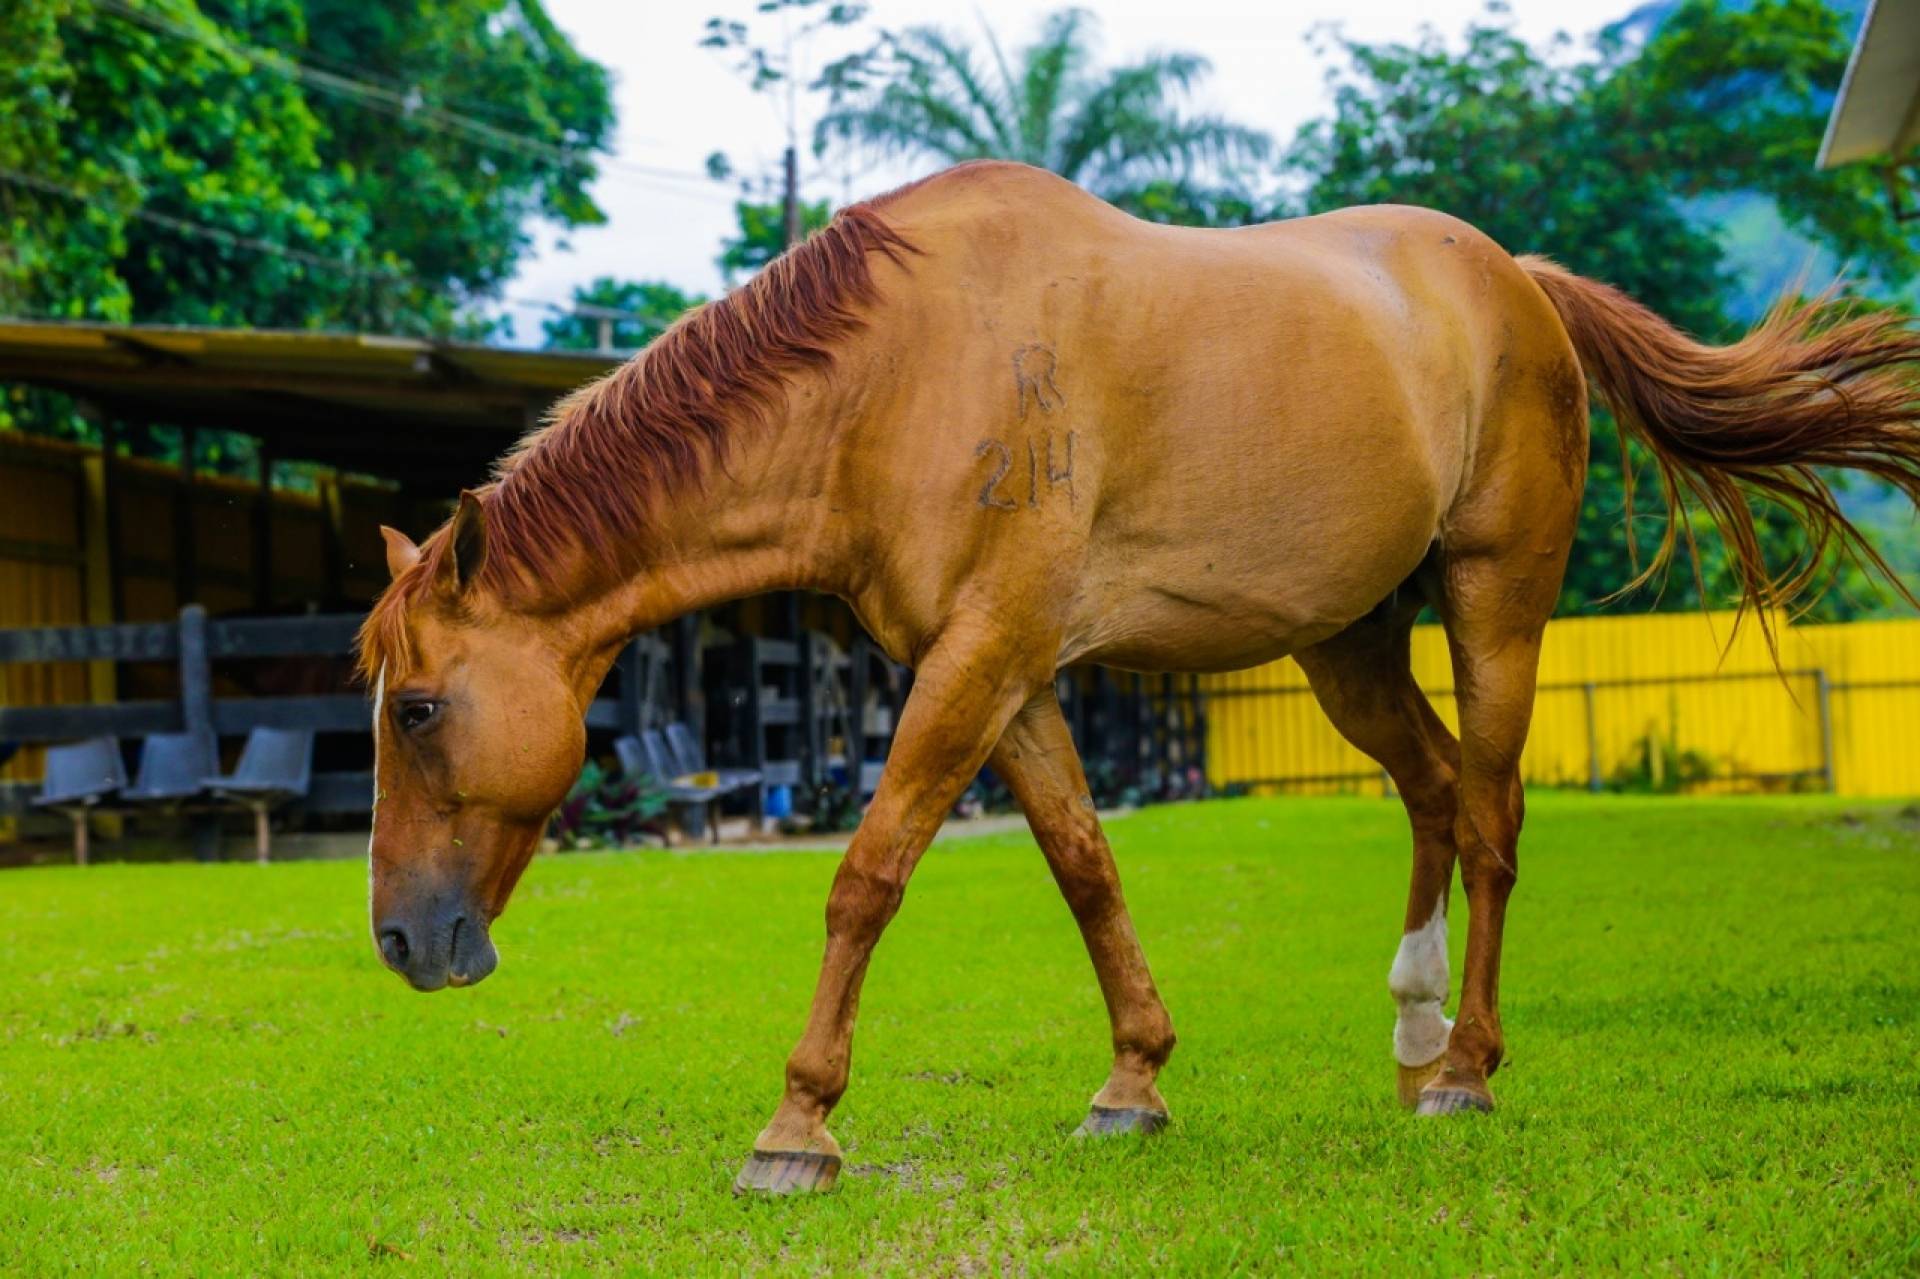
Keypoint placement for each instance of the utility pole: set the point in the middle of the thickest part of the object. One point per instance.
(790, 200)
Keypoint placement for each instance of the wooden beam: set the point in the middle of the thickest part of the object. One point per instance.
(427, 391)
(72, 722)
(125, 642)
(322, 634)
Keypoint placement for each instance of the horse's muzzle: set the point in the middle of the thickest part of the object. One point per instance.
(446, 945)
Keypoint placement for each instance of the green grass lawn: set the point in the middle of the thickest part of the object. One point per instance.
(1710, 1010)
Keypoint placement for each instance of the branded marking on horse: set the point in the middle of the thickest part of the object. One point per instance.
(990, 496)
(1034, 365)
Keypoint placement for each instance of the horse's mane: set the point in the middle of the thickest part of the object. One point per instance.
(588, 478)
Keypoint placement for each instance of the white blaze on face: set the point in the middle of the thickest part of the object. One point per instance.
(1418, 981)
(379, 712)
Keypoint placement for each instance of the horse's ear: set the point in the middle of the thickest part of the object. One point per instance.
(402, 554)
(466, 544)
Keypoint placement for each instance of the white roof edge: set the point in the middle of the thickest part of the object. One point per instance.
(1822, 161)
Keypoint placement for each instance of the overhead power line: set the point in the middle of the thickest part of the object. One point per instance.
(409, 104)
(202, 230)
(391, 275)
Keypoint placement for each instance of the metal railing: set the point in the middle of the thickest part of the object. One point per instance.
(1820, 769)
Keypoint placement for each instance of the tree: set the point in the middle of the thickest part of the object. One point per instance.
(638, 311)
(763, 234)
(1601, 165)
(286, 163)
(780, 70)
(1123, 133)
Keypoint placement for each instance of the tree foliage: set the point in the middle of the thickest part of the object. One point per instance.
(761, 234)
(1125, 133)
(1599, 163)
(639, 311)
(286, 163)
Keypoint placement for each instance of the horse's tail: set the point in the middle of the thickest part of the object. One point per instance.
(1817, 384)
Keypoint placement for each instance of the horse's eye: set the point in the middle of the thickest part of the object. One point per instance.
(416, 714)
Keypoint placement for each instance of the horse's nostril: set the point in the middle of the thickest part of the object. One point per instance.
(393, 945)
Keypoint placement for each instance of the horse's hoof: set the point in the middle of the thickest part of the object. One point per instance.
(787, 1172)
(1414, 1079)
(1451, 1099)
(1107, 1121)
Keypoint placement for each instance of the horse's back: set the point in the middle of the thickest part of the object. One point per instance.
(1270, 424)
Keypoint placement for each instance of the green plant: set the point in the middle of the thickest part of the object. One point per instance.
(835, 808)
(1659, 766)
(608, 810)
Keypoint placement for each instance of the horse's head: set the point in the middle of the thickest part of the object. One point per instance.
(478, 733)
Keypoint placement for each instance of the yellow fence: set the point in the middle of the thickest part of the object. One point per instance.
(1642, 700)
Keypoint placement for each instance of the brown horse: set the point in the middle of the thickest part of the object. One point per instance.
(1016, 429)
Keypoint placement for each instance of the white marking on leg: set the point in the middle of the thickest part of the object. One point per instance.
(1418, 981)
(373, 820)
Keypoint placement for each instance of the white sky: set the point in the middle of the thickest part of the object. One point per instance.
(678, 103)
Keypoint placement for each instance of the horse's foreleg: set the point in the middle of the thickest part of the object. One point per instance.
(1036, 758)
(964, 692)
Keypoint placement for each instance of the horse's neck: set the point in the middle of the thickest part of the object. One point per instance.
(757, 522)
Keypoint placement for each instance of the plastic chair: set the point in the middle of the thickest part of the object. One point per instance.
(78, 777)
(276, 765)
(173, 768)
(633, 758)
(647, 756)
(689, 758)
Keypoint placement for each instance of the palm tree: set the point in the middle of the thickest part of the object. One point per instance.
(1120, 133)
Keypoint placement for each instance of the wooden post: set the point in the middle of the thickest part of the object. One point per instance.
(858, 658)
(811, 732)
(1824, 687)
(632, 663)
(96, 544)
(196, 711)
(196, 671)
(109, 430)
(186, 584)
(333, 537)
(1199, 726)
(1593, 738)
(689, 680)
(263, 528)
(753, 721)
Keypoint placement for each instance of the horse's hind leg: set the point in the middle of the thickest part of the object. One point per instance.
(1036, 758)
(1364, 682)
(1494, 619)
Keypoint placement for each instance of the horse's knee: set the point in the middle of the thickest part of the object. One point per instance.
(1488, 863)
(1091, 894)
(861, 903)
(1083, 868)
(1487, 833)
